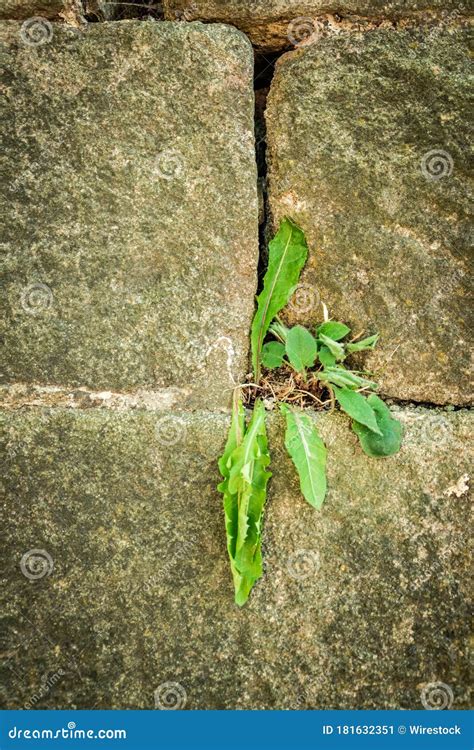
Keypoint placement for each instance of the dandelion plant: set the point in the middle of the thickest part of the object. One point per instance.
(315, 361)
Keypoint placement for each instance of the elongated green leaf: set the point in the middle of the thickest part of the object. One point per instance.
(379, 445)
(338, 375)
(333, 329)
(231, 505)
(308, 454)
(248, 477)
(287, 254)
(357, 407)
(301, 348)
(325, 357)
(360, 346)
(272, 354)
(336, 349)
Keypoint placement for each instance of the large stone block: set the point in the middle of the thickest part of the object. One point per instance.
(132, 242)
(118, 581)
(278, 24)
(369, 153)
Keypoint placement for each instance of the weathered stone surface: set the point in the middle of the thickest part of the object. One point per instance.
(368, 151)
(132, 243)
(68, 9)
(361, 606)
(278, 24)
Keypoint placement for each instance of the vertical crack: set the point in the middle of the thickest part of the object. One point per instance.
(263, 76)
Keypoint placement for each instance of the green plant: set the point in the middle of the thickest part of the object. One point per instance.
(315, 360)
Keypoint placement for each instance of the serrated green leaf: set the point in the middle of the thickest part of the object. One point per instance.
(301, 348)
(336, 349)
(335, 330)
(357, 407)
(325, 357)
(338, 375)
(287, 254)
(308, 454)
(389, 441)
(360, 346)
(247, 482)
(272, 354)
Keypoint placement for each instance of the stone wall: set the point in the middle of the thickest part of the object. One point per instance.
(130, 262)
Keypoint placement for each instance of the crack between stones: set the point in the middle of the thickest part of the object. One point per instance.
(263, 77)
(17, 396)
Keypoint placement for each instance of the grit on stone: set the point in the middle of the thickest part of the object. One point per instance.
(368, 144)
(132, 242)
(360, 606)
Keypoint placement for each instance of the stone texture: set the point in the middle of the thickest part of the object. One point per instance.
(351, 125)
(279, 24)
(140, 593)
(131, 176)
(67, 9)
